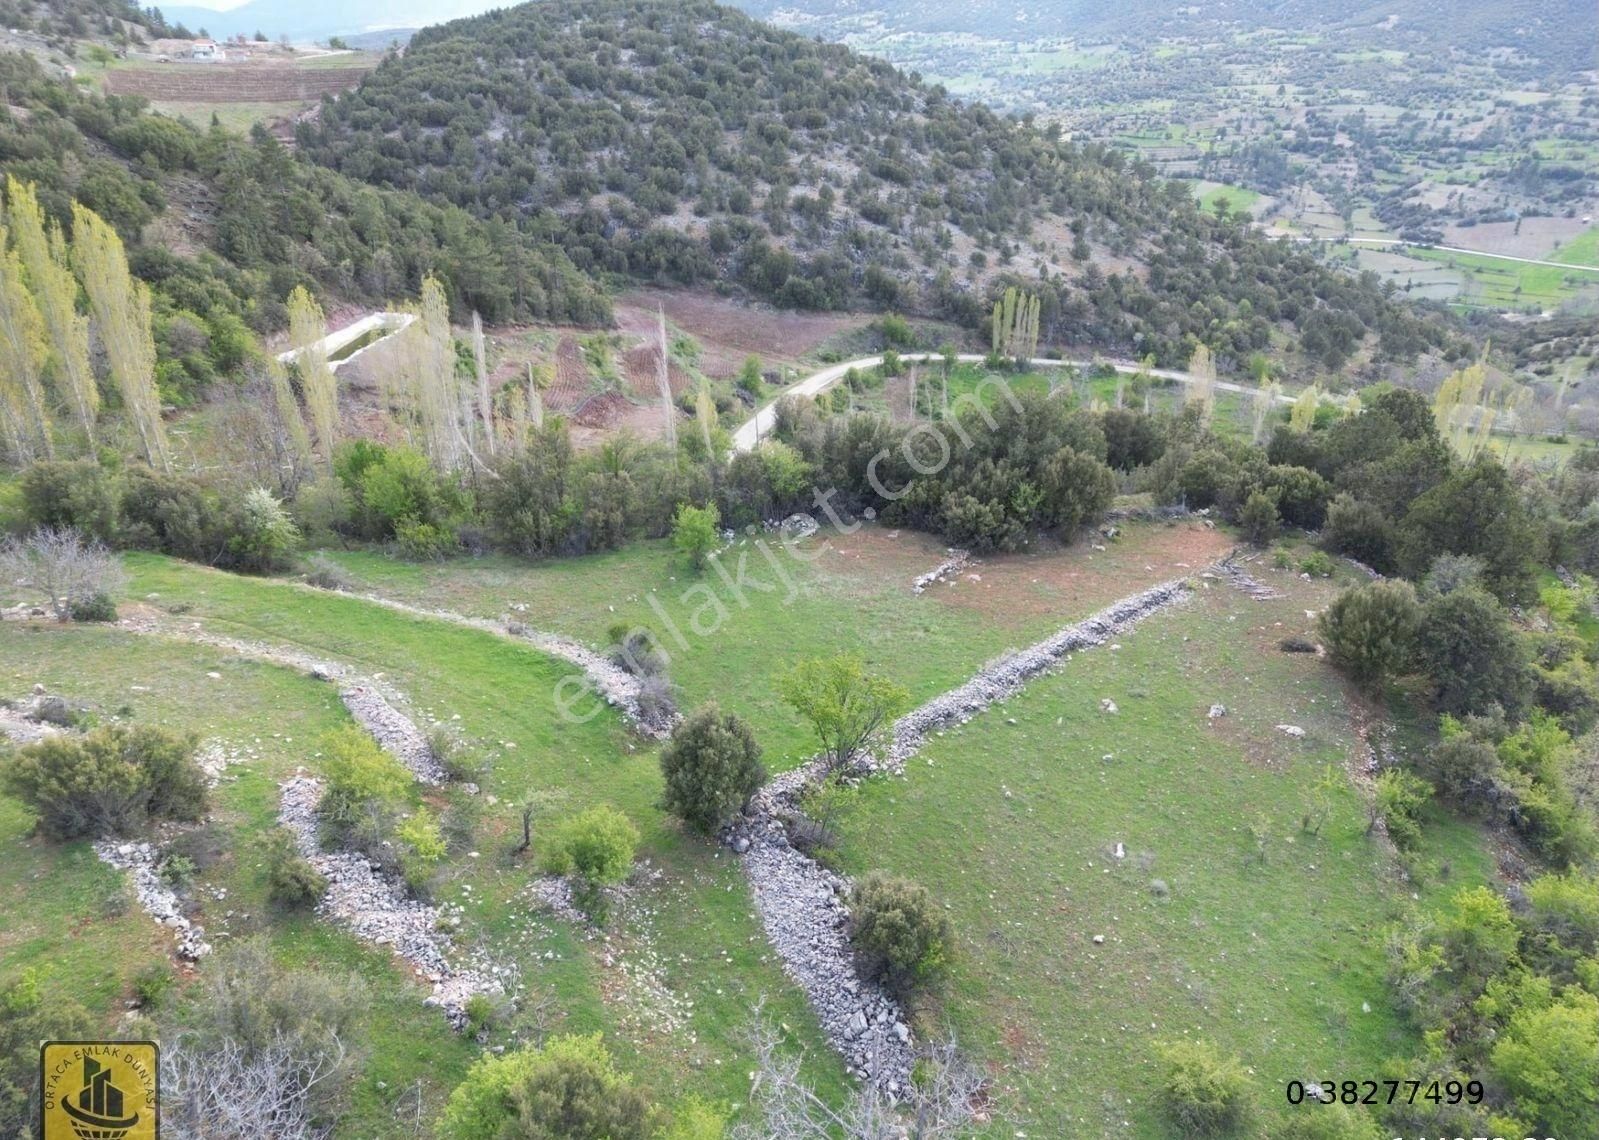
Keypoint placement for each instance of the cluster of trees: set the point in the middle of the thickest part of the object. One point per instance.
(274, 222)
(815, 177)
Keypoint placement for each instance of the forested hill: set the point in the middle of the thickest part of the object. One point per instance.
(686, 142)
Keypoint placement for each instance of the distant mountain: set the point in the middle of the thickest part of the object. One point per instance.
(302, 20)
(683, 142)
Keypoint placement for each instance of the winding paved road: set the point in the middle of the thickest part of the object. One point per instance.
(759, 426)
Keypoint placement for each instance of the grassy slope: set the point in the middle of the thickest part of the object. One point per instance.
(1014, 825)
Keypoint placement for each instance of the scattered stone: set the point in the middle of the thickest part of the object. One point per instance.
(394, 732)
(142, 862)
(1099, 940)
(1291, 730)
(1107, 705)
(1216, 712)
(948, 569)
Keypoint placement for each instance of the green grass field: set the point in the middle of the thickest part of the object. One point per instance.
(1495, 283)
(1013, 820)
(1273, 956)
(1580, 250)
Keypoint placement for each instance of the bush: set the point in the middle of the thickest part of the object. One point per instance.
(291, 880)
(1258, 519)
(1326, 1122)
(900, 935)
(261, 535)
(455, 754)
(326, 574)
(111, 781)
(568, 1090)
(694, 533)
(712, 765)
(1399, 798)
(1360, 530)
(360, 776)
(1203, 1092)
(27, 1018)
(96, 607)
(1467, 646)
(1317, 565)
(79, 495)
(424, 542)
(422, 846)
(1370, 631)
(596, 848)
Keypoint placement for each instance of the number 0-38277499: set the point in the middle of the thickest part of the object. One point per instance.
(1384, 1092)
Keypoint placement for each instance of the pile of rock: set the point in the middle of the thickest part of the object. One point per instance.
(1231, 571)
(142, 861)
(394, 731)
(377, 909)
(802, 906)
(948, 569)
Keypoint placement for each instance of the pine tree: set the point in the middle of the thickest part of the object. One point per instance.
(120, 307)
(308, 329)
(55, 291)
(23, 351)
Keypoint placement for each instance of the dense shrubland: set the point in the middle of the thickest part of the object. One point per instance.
(687, 143)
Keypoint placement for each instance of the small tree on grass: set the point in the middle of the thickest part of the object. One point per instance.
(361, 778)
(1203, 1092)
(1258, 519)
(847, 707)
(694, 533)
(595, 849)
(1397, 800)
(749, 377)
(292, 881)
(568, 1090)
(712, 766)
(1370, 631)
(109, 782)
(900, 935)
(60, 566)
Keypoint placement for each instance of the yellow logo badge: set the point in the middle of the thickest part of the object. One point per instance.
(99, 1090)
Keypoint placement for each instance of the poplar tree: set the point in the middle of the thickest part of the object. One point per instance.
(308, 330)
(1303, 415)
(293, 440)
(55, 292)
(120, 307)
(1202, 386)
(23, 350)
(480, 366)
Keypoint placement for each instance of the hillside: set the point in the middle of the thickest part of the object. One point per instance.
(687, 143)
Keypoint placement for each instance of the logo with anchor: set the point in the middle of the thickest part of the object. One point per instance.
(99, 1090)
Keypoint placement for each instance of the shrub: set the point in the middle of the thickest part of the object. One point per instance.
(1327, 1122)
(27, 1017)
(1317, 565)
(568, 1090)
(79, 495)
(1370, 631)
(152, 984)
(900, 935)
(170, 513)
(1464, 768)
(326, 574)
(291, 880)
(261, 535)
(96, 607)
(1297, 644)
(360, 777)
(1467, 646)
(324, 508)
(847, 707)
(1399, 798)
(455, 754)
(1360, 530)
(1258, 519)
(712, 766)
(423, 846)
(596, 848)
(109, 782)
(1548, 1058)
(424, 542)
(1203, 1092)
(58, 565)
(694, 533)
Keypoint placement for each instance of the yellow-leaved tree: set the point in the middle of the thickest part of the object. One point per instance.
(55, 291)
(307, 330)
(23, 350)
(120, 308)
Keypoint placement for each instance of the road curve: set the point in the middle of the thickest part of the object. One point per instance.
(759, 426)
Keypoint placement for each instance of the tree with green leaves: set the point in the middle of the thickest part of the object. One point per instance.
(847, 707)
(570, 1089)
(712, 765)
(694, 532)
(1371, 630)
(24, 423)
(307, 330)
(1466, 644)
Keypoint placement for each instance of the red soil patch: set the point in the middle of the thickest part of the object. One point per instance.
(233, 83)
(602, 411)
(728, 330)
(571, 383)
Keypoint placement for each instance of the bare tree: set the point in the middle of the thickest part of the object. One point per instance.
(942, 1103)
(62, 567)
(226, 1091)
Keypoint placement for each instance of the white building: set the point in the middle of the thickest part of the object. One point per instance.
(207, 50)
